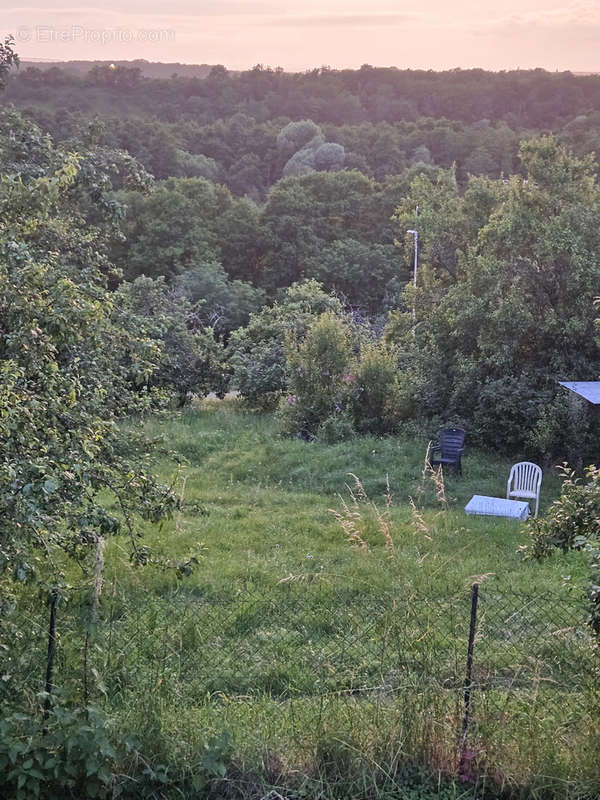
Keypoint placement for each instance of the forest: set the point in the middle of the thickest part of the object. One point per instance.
(233, 190)
(209, 318)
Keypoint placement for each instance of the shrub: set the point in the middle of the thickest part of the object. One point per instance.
(68, 755)
(573, 523)
(260, 375)
(319, 369)
(381, 398)
(336, 428)
(257, 351)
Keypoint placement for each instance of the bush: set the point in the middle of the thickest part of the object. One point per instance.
(68, 755)
(381, 398)
(573, 523)
(320, 370)
(257, 351)
(260, 375)
(336, 428)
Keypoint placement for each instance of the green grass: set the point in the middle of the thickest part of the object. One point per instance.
(261, 506)
(339, 671)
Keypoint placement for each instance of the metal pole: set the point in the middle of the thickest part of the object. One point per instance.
(415, 235)
(415, 274)
(468, 685)
(51, 651)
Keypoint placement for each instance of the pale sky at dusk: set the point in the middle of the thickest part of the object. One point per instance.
(299, 34)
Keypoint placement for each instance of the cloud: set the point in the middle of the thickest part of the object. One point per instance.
(301, 33)
(176, 9)
(576, 15)
(349, 20)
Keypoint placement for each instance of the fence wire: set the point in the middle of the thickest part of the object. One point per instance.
(370, 667)
(299, 643)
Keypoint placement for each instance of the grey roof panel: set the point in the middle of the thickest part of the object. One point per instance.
(590, 390)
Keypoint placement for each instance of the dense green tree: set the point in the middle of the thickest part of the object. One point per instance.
(172, 228)
(8, 59)
(298, 135)
(446, 219)
(359, 272)
(242, 241)
(197, 166)
(226, 304)
(303, 214)
(490, 348)
(257, 350)
(191, 360)
(69, 359)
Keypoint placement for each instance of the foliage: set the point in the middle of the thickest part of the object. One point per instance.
(381, 395)
(67, 755)
(312, 154)
(329, 156)
(308, 215)
(70, 754)
(222, 303)
(297, 135)
(8, 59)
(257, 351)
(514, 316)
(338, 427)
(320, 372)
(66, 371)
(389, 96)
(191, 358)
(197, 166)
(172, 228)
(573, 523)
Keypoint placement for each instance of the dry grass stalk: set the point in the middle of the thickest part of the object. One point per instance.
(359, 489)
(419, 523)
(437, 476)
(383, 519)
(348, 521)
(354, 523)
(98, 576)
(427, 462)
(434, 475)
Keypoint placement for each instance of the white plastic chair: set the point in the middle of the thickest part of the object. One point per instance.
(526, 479)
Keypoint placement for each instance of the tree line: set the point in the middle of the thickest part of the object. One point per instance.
(522, 98)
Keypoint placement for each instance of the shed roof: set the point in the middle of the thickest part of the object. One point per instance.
(590, 390)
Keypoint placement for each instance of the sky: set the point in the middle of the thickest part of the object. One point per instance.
(302, 34)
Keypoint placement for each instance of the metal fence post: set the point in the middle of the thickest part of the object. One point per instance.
(468, 671)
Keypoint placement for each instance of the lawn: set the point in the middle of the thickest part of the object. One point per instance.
(334, 655)
(262, 505)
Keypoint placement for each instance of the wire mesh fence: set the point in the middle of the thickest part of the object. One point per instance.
(283, 667)
(297, 642)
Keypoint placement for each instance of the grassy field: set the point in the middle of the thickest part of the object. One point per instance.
(332, 654)
(261, 505)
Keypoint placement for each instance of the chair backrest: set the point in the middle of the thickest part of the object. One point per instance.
(451, 441)
(526, 476)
